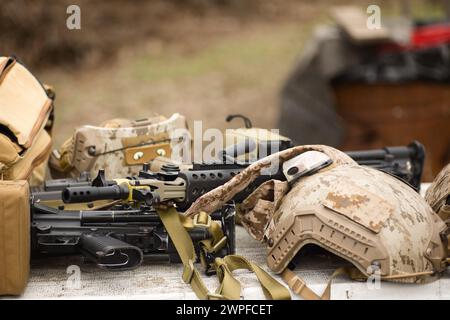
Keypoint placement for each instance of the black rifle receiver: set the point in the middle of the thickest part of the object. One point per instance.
(119, 238)
(405, 163)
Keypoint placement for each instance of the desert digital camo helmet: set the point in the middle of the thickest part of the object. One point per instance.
(363, 215)
(438, 194)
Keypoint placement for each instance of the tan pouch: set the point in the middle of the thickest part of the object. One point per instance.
(119, 146)
(25, 108)
(14, 236)
(35, 158)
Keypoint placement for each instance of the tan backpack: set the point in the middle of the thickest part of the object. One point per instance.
(25, 109)
(26, 116)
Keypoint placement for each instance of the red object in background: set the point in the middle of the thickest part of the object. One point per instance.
(423, 37)
(430, 36)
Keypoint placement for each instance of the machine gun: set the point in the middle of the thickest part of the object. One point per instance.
(118, 233)
(119, 237)
(404, 162)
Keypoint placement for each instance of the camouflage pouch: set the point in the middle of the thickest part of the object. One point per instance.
(25, 122)
(118, 146)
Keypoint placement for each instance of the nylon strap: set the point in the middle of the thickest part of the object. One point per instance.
(208, 246)
(299, 287)
(185, 249)
(271, 287)
(229, 288)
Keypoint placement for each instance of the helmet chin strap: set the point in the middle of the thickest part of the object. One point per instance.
(299, 287)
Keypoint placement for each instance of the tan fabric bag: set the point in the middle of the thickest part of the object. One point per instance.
(25, 108)
(25, 145)
(14, 236)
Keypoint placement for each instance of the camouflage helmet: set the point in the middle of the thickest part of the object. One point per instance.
(438, 193)
(363, 215)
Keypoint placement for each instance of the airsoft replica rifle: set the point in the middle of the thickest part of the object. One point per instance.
(114, 223)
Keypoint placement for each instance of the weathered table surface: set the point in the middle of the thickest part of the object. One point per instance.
(53, 278)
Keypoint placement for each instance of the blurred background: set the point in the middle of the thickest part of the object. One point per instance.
(210, 58)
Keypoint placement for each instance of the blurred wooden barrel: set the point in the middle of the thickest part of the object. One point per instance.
(377, 115)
